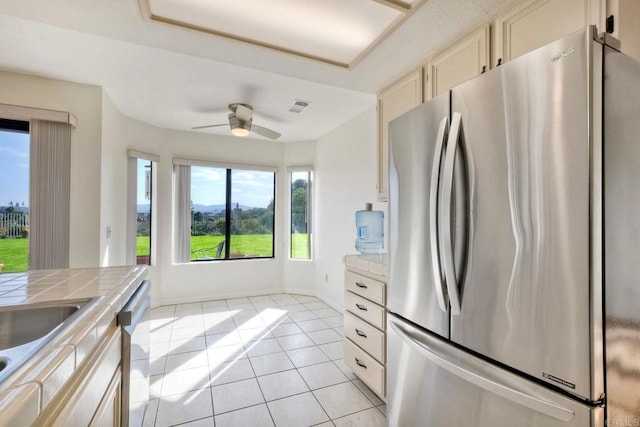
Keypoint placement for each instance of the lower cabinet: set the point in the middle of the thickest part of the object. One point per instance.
(109, 410)
(364, 328)
(92, 396)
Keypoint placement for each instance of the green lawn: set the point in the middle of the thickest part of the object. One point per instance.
(205, 246)
(14, 254)
(299, 246)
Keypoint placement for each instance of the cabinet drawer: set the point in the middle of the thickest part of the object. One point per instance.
(367, 337)
(365, 309)
(365, 367)
(366, 287)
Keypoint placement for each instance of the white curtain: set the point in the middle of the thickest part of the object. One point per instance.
(49, 194)
(182, 192)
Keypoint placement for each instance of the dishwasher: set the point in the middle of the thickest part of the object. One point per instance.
(134, 320)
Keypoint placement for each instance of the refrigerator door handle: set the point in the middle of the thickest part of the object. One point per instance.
(439, 282)
(436, 351)
(446, 243)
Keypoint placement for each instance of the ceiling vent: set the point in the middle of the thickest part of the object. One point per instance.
(299, 106)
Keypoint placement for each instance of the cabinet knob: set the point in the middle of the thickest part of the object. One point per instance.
(361, 307)
(361, 285)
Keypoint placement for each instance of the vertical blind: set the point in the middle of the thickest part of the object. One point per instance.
(182, 231)
(49, 194)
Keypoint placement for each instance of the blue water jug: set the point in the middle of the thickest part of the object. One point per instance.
(369, 231)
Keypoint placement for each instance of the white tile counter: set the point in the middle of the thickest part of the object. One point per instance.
(374, 264)
(25, 393)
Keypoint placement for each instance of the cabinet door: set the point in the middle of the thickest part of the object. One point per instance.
(109, 410)
(392, 102)
(626, 26)
(534, 23)
(458, 63)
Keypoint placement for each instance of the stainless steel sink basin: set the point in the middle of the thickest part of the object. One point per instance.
(24, 329)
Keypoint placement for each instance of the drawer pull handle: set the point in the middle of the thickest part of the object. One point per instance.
(361, 285)
(360, 333)
(359, 363)
(361, 307)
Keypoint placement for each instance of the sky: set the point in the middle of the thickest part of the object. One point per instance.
(248, 188)
(14, 168)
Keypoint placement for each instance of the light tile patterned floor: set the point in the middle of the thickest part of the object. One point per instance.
(272, 360)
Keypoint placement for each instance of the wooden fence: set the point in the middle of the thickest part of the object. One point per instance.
(14, 224)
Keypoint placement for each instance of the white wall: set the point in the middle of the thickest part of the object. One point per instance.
(346, 171)
(195, 281)
(85, 102)
(216, 279)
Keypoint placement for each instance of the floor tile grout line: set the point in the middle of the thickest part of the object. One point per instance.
(269, 328)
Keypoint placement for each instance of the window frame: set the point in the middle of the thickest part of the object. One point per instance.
(229, 169)
(132, 186)
(290, 171)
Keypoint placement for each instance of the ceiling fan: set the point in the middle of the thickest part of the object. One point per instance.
(240, 122)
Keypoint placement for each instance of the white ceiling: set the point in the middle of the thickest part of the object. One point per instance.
(335, 31)
(179, 78)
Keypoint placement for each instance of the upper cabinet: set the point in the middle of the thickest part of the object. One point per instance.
(458, 62)
(524, 26)
(395, 100)
(531, 24)
(626, 25)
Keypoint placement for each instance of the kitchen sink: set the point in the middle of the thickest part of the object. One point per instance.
(24, 329)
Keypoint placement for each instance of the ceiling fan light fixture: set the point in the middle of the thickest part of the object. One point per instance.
(238, 127)
(240, 131)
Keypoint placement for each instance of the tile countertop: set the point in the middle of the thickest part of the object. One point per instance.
(27, 391)
(375, 264)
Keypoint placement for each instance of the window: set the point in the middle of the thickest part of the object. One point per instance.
(144, 170)
(14, 195)
(231, 213)
(141, 221)
(300, 213)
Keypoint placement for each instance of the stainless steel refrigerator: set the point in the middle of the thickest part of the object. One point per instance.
(514, 255)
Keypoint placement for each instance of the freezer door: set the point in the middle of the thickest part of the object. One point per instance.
(415, 283)
(524, 284)
(431, 383)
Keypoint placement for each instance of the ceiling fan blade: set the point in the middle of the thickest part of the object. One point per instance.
(243, 113)
(265, 132)
(210, 126)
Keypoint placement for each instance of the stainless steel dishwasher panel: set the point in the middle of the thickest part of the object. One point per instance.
(134, 320)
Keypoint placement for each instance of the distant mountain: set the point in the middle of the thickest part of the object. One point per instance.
(217, 208)
(196, 208)
(208, 208)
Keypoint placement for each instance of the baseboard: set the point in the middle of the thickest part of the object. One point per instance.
(188, 300)
(203, 298)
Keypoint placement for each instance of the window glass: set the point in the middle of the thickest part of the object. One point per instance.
(231, 213)
(300, 215)
(14, 195)
(208, 213)
(252, 203)
(143, 210)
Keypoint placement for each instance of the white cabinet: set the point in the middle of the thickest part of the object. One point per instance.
(92, 395)
(393, 101)
(533, 23)
(459, 62)
(626, 25)
(365, 349)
